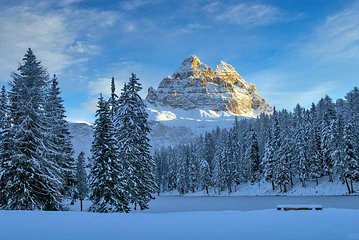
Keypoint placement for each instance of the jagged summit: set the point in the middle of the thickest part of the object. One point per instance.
(193, 67)
(194, 85)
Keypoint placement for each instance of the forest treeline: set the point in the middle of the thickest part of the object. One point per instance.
(285, 149)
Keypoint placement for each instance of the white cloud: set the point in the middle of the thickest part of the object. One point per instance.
(135, 4)
(68, 2)
(81, 47)
(337, 37)
(246, 13)
(54, 35)
(212, 7)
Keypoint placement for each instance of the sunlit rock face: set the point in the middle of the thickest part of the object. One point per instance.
(195, 85)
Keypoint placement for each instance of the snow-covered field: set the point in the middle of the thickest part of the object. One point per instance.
(259, 224)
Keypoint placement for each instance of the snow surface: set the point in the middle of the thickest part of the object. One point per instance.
(198, 120)
(260, 224)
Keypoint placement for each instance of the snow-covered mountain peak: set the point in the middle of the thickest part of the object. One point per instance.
(195, 86)
(193, 67)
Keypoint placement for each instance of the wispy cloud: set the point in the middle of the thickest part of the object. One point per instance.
(337, 37)
(135, 4)
(250, 14)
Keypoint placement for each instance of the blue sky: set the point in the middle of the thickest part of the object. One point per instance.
(294, 51)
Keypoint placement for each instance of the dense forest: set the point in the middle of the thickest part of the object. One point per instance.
(37, 168)
(285, 149)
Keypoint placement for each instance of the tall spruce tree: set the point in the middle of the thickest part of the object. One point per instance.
(4, 109)
(351, 161)
(107, 180)
(254, 157)
(60, 137)
(269, 162)
(5, 139)
(81, 179)
(132, 136)
(33, 179)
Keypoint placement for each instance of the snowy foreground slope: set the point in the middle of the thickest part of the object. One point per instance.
(261, 224)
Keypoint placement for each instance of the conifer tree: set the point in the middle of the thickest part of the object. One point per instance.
(283, 166)
(60, 137)
(205, 176)
(269, 162)
(132, 136)
(254, 158)
(107, 180)
(182, 172)
(33, 180)
(5, 139)
(351, 162)
(81, 178)
(4, 108)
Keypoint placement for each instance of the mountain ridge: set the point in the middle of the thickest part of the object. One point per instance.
(194, 85)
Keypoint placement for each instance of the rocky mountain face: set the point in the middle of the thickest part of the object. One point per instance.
(194, 85)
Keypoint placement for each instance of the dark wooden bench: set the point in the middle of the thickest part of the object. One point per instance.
(295, 207)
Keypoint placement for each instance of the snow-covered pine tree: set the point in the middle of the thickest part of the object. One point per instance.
(314, 150)
(303, 159)
(182, 171)
(114, 98)
(269, 162)
(33, 180)
(253, 155)
(219, 165)
(231, 169)
(81, 179)
(283, 165)
(193, 168)
(326, 145)
(352, 112)
(132, 136)
(205, 176)
(351, 161)
(107, 180)
(4, 108)
(5, 138)
(60, 137)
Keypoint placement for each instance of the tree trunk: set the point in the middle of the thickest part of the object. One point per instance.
(273, 186)
(207, 190)
(346, 181)
(351, 185)
(330, 177)
(285, 188)
(81, 205)
(316, 179)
